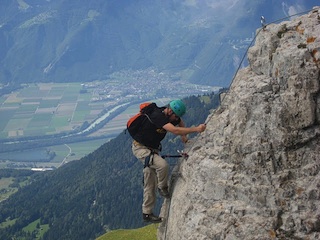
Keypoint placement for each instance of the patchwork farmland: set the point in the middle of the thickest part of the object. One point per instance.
(44, 108)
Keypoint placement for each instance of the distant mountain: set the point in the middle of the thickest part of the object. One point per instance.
(199, 41)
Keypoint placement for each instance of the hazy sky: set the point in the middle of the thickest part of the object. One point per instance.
(289, 7)
(227, 12)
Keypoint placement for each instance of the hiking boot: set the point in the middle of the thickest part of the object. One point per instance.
(164, 192)
(151, 218)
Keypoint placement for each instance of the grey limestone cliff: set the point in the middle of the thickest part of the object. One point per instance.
(255, 172)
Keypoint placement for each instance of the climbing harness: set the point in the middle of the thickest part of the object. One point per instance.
(149, 159)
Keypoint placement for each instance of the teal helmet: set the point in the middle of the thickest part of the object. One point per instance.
(178, 107)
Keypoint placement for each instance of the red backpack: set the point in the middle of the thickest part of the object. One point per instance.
(135, 122)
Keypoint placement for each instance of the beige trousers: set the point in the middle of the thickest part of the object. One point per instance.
(155, 176)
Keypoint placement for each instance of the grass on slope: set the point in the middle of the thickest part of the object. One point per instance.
(148, 232)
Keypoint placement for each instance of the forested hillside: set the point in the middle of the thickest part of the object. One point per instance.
(84, 198)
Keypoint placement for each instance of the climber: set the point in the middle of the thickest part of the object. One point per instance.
(146, 148)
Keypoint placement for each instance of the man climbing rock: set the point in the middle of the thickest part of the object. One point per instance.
(147, 145)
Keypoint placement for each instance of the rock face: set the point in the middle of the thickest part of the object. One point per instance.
(255, 172)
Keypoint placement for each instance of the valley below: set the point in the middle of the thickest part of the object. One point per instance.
(46, 125)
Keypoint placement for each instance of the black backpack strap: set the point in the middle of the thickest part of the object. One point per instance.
(148, 118)
(149, 159)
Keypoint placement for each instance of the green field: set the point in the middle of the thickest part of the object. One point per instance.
(148, 232)
(5, 190)
(45, 108)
